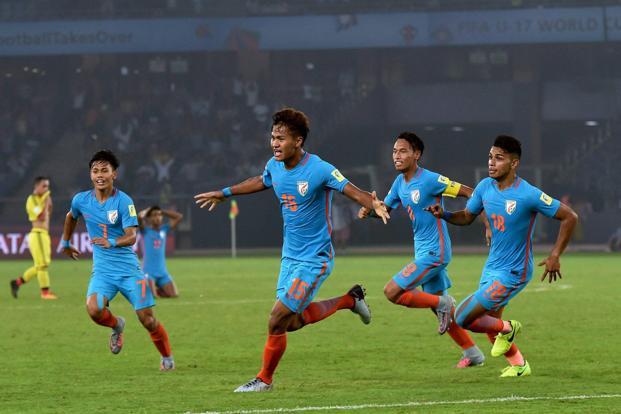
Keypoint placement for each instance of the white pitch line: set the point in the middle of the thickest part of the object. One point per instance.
(410, 404)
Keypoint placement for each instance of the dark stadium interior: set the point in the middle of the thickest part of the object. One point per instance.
(184, 122)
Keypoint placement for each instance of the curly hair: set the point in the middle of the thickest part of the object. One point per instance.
(296, 121)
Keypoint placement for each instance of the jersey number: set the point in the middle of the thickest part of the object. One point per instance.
(289, 201)
(411, 213)
(499, 222)
(143, 285)
(104, 230)
(298, 289)
(495, 290)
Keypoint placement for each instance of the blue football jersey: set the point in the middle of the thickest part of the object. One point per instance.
(108, 220)
(512, 214)
(423, 190)
(154, 249)
(305, 195)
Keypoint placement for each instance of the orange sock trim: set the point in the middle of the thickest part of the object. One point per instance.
(460, 336)
(318, 311)
(417, 299)
(160, 339)
(275, 347)
(106, 319)
(486, 324)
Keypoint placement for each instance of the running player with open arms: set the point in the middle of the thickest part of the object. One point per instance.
(111, 222)
(303, 183)
(416, 188)
(512, 205)
(154, 233)
(39, 210)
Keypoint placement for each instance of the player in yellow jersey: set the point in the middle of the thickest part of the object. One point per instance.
(39, 209)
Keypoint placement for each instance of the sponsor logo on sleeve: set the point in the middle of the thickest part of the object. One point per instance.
(132, 210)
(339, 177)
(546, 199)
(444, 180)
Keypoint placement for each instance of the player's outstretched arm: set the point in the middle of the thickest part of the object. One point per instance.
(367, 212)
(213, 198)
(368, 200)
(466, 192)
(174, 216)
(127, 239)
(568, 219)
(458, 218)
(68, 229)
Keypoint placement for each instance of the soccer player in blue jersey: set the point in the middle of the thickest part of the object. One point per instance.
(154, 233)
(512, 205)
(303, 184)
(416, 188)
(111, 222)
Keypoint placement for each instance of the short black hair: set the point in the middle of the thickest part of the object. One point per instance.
(296, 121)
(40, 178)
(152, 210)
(104, 156)
(414, 140)
(509, 144)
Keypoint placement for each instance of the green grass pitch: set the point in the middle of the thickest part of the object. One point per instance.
(55, 360)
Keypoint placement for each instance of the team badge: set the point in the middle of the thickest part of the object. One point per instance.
(546, 199)
(415, 195)
(132, 210)
(337, 174)
(302, 187)
(510, 206)
(113, 215)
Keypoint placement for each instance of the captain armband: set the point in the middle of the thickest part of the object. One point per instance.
(452, 189)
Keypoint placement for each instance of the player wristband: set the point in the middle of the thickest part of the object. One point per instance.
(227, 192)
(65, 244)
(446, 215)
(112, 242)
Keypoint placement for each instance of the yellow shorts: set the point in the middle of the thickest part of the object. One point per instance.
(40, 247)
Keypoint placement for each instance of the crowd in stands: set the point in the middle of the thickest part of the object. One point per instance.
(177, 131)
(27, 115)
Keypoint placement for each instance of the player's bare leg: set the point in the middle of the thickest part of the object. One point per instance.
(153, 288)
(97, 308)
(159, 336)
(169, 290)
